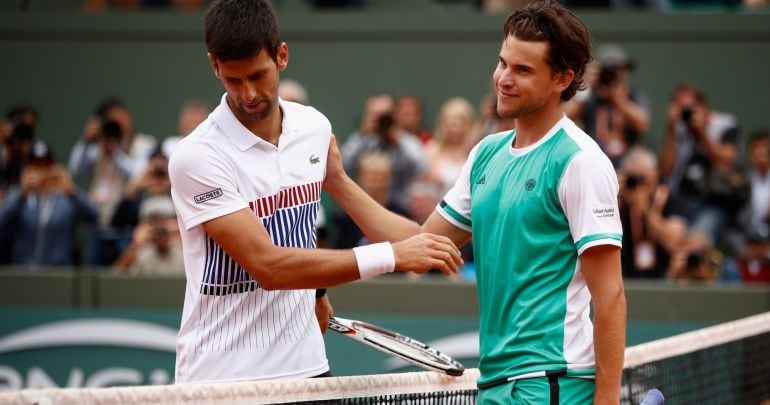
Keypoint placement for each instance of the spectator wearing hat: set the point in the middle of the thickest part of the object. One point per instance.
(156, 247)
(610, 109)
(43, 212)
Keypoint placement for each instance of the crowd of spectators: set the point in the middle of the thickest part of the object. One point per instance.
(108, 207)
(691, 211)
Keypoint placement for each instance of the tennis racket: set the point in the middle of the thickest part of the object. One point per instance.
(408, 349)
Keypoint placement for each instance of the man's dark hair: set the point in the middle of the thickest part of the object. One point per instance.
(700, 96)
(107, 104)
(567, 36)
(16, 113)
(237, 29)
(760, 134)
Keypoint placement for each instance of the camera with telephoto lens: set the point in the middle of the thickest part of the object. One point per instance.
(687, 113)
(608, 76)
(111, 130)
(695, 260)
(633, 180)
(384, 123)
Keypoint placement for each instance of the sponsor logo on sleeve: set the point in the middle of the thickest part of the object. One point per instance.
(606, 212)
(209, 195)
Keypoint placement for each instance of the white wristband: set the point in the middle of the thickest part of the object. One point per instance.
(375, 259)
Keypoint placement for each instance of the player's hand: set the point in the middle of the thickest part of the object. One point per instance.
(323, 311)
(427, 251)
(335, 172)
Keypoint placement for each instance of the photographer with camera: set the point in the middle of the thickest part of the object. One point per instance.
(43, 212)
(649, 238)
(151, 182)
(156, 247)
(699, 161)
(106, 157)
(616, 114)
(379, 133)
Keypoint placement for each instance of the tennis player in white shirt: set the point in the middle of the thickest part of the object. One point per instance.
(246, 186)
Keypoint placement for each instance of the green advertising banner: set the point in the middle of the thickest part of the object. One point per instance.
(42, 347)
(54, 347)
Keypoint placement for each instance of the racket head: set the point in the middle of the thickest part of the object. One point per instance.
(408, 349)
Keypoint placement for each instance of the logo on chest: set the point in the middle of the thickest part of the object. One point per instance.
(314, 159)
(530, 185)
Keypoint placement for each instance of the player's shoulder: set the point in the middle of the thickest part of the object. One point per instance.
(494, 142)
(577, 148)
(579, 139)
(198, 145)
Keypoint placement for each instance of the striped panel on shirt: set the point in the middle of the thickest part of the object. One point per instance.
(234, 321)
(289, 218)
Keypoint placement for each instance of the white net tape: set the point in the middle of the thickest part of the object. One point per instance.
(700, 339)
(251, 392)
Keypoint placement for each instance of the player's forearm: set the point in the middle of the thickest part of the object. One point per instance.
(609, 344)
(293, 268)
(376, 222)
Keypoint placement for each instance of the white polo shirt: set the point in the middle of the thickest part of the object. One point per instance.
(231, 328)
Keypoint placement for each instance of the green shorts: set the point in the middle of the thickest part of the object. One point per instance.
(537, 390)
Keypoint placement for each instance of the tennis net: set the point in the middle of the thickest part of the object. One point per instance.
(723, 364)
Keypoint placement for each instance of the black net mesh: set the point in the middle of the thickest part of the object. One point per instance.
(458, 397)
(736, 372)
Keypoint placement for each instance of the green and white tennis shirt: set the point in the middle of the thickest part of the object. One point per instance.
(532, 212)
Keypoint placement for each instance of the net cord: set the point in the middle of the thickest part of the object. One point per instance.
(252, 392)
(696, 340)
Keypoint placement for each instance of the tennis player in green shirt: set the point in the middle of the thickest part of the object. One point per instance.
(541, 204)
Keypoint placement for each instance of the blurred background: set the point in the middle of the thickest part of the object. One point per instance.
(95, 94)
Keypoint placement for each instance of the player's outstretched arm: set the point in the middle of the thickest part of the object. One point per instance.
(375, 221)
(244, 238)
